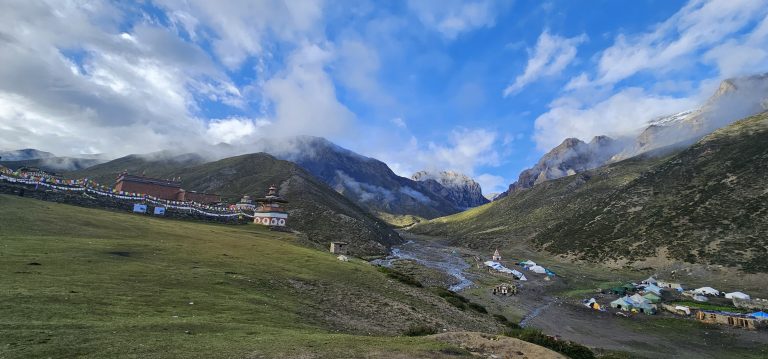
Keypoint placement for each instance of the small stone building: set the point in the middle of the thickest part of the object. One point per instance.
(733, 319)
(505, 289)
(496, 256)
(339, 247)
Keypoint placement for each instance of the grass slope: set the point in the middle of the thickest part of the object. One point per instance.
(704, 204)
(79, 282)
(315, 209)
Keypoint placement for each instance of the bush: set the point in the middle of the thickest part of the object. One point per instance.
(504, 321)
(567, 348)
(458, 301)
(419, 330)
(400, 277)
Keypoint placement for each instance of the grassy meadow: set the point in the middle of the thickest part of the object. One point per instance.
(78, 282)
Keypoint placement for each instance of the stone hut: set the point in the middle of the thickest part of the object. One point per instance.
(339, 247)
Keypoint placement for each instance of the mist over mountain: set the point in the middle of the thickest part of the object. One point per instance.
(735, 98)
(24, 154)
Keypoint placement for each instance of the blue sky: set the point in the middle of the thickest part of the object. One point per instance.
(482, 87)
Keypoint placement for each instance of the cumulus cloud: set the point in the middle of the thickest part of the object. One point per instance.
(621, 114)
(452, 17)
(698, 25)
(550, 57)
(491, 183)
(465, 151)
(234, 130)
(241, 28)
(731, 35)
(304, 96)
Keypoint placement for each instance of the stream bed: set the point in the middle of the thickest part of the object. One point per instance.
(431, 254)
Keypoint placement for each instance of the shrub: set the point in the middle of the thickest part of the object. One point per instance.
(400, 277)
(567, 348)
(504, 321)
(418, 330)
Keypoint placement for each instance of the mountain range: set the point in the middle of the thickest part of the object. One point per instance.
(706, 203)
(734, 99)
(315, 209)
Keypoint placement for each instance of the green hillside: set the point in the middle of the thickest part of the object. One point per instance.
(708, 203)
(315, 209)
(79, 282)
(524, 214)
(705, 204)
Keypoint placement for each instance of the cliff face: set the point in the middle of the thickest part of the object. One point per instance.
(460, 189)
(570, 157)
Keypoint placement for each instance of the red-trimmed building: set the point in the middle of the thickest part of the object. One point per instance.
(159, 188)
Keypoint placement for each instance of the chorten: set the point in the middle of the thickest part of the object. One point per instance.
(270, 210)
(496, 256)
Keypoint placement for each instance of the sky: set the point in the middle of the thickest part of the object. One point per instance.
(481, 87)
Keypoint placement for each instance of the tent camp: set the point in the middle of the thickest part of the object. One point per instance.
(739, 295)
(707, 291)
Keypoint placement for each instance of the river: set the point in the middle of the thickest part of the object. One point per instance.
(432, 254)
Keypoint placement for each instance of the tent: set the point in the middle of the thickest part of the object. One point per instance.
(739, 295)
(630, 287)
(707, 291)
(683, 309)
(650, 280)
(652, 297)
(500, 268)
(622, 303)
(759, 315)
(618, 290)
(537, 269)
(638, 299)
(700, 298)
(592, 303)
(528, 263)
(652, 288)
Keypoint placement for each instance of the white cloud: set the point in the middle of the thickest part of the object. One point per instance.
(465, 151)
(453, 17)
(732, 35)
(304, 96)
(234, 130)
(492, 183)
(622, 113)
(399, 122)
(550, 57)
(241, 28)
(698, 25)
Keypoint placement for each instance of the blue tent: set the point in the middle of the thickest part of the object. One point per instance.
(759, 315)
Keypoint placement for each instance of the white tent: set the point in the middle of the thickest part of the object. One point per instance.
(528, 263)
(700, 298)
(739, 295)
(684, 309)
(707, 291)
(537, 269)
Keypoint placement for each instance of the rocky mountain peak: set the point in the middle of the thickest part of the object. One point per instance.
(458, 187)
